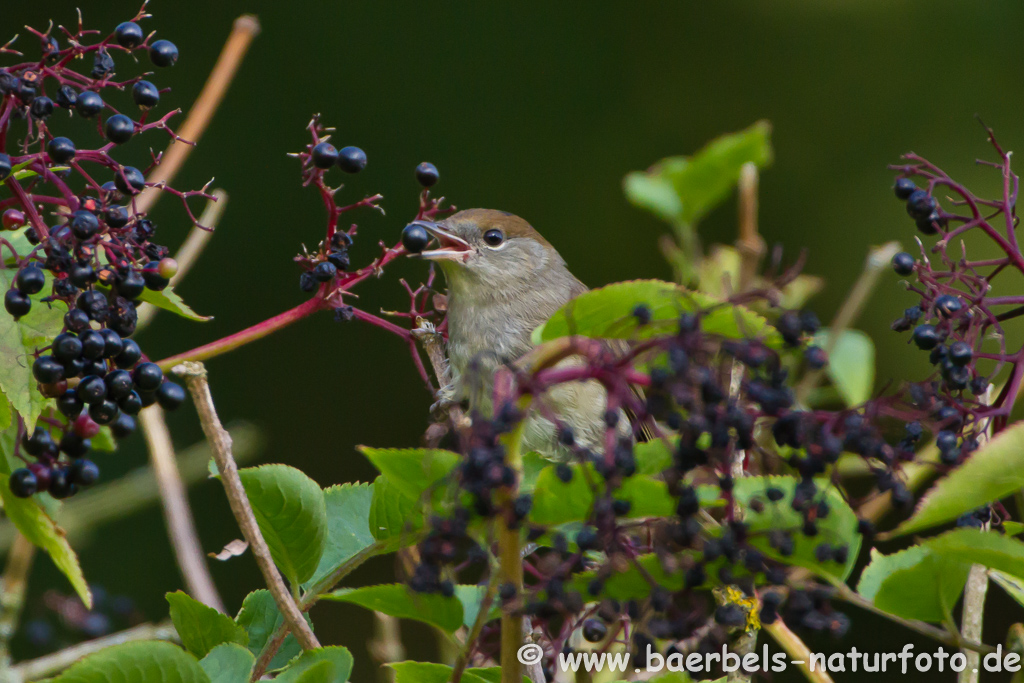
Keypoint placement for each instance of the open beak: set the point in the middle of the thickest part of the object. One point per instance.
(450, 246)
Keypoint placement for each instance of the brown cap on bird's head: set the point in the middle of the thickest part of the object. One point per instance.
(491, 219)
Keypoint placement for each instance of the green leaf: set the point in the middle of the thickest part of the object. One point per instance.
(471, 598)
(260, 617)
(398, 600)
(144, 661)
(292, 516)
(428, 672)
(555, 502)
(607, 313)
(655, 456)
(338, 658)
(412, 470)
(104, 440)
(202, 628)
(992, 472)
(632, 583)
(6, 413)
(684, 189)
(1011, 584)
(851, 365)
(838, 528)
(39, 528)
(228, 663)
(348, 526)
(924, 581)
(169, 300)
(395, 519)
(19, 339)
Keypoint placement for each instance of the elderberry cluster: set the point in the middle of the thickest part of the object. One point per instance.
(75, 231)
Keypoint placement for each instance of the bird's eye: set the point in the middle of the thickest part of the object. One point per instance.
(494, 237)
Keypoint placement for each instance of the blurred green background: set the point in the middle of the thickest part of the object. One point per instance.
(539, 109)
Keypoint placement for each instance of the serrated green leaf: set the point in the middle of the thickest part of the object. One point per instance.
(6, 413)
(395, 519)
(398, 600)
(39, 528)
(607, 313)
(838, 528)
(851, 365)
(144, 661)
(19, 339)
(228, 663)
(655, 456)
(684, 189)
(202, 628)
(348, 526)
(260, 618)
(338, 658)
(292, 517)
(412, 470)
(924, 581)
(992, 472)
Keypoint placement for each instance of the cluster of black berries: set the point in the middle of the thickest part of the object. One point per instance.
(921, 206)
(94, 253)
(813, 610)
(448, 544)
(326, 266)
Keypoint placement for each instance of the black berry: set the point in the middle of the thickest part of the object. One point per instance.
(89, 104)
(148, 377)
(60, 150)
(163, 53)
(904, 187)
(23, 483)
(415, 238)
(30, 279)
(129, 355)
(93, 344)
(119, 129)
(325, 155)
(69, 404)
(66, 347)
(146, 95)
(960, 353)
(42, 108)
(47, 370)
(5, 166)
(84, 224)
(39, 442)
(128, 34)
(926, 337)
(594, 630)
(130, 180)
(426, 174)
(17, 303)
(170, 395)
(103, 412)
(124, 425)
(351, 159)
(903, 263)
(324, 272)
(920, 204)
(91, 390)
(83, 472)
(131, 404)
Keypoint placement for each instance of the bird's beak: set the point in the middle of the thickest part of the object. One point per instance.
(451, 247)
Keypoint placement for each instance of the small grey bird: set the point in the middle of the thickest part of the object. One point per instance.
(504, 279)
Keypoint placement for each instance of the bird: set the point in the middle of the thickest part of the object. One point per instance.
(505, 279)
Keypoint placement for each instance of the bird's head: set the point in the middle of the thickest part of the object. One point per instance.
(488, 248)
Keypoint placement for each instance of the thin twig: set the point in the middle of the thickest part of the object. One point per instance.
(181, 525)
(220, 442)
(878, 259)
(58, 661)
(190, 249)
(386, 645)
(796, 649)
(973, 618)
(750, 244)
(246, 27)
